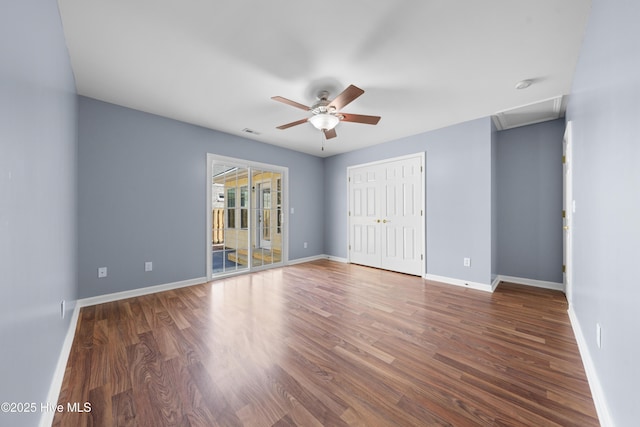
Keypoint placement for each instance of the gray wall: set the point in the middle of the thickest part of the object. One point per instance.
(605, 111)
(142, 187)
(37, 200)
(529, 213)
(458, 192)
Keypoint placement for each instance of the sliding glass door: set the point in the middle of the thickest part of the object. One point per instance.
(229, 212)
(246, 215)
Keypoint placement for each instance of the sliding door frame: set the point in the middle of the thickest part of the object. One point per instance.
(284, 225)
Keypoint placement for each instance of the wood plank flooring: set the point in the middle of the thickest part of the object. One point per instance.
(328, 344)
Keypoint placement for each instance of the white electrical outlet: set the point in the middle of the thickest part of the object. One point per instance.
(466, 262)
(599, 335)
(102, 272)
(305, 245)
(148, 266)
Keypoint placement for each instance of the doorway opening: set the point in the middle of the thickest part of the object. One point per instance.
(246, 224)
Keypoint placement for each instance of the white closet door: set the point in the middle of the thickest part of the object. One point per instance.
(364, 206)
(401, 213)
(386, 222)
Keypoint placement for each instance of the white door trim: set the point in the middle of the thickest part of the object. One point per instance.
(569, 209)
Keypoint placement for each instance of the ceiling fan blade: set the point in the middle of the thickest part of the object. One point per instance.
(347, 95)
(330, 133)
(290, 102)
(359, 118)
(288, 125)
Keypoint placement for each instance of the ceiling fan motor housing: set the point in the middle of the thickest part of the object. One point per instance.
(325, 113)
(322, 106)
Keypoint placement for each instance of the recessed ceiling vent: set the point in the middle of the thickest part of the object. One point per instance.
(538, 112)
(251, 131)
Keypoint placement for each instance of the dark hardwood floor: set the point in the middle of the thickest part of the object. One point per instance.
(328, 344)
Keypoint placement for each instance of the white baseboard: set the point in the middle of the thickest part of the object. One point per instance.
(306, 259)
(317, 257)
(58, 375)
(495, 283)
(459, 282)
(531, 282)
(597, 393)
(100, 299)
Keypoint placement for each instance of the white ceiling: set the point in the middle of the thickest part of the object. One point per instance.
(423, 64)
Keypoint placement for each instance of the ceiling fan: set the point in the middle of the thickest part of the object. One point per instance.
(327, 114)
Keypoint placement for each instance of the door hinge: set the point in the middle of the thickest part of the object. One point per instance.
(349, 179)
(564, 159)
(349, 213)
(421, 256)
(564, 213)
(349, 247)
(564, 268)
(420, 168)
(421, 212)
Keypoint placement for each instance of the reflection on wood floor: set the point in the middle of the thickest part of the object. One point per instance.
(328, 344)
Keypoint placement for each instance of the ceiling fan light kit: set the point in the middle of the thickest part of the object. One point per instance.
(324, 121)
(326, 115)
